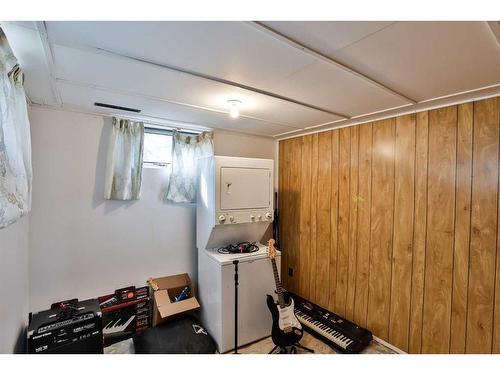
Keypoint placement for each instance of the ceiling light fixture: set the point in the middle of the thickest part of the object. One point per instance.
(234, 108)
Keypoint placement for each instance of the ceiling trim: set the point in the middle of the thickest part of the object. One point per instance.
(444, 101)
(208, 77)
(152, 97)
(49, 60)
(399, 107)
(305, 49)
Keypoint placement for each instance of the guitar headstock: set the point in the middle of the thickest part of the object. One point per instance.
(271, 249)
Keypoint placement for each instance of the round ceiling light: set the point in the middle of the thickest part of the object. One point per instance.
(234, 108)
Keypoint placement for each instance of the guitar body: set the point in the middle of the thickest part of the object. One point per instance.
(286, 329)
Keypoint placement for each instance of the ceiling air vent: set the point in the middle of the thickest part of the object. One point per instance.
(117, 107)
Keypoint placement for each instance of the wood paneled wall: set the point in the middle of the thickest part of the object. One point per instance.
(394, 225)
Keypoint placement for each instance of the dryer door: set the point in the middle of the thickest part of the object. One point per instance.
(244, 188)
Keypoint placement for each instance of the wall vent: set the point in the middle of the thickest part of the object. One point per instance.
(112, 106)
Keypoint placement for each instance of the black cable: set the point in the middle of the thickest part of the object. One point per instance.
(66, 310)
(242, 247)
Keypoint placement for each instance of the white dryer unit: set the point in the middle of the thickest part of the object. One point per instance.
(234, 204)
(235, 200)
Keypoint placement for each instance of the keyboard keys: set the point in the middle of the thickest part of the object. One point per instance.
(324, 330)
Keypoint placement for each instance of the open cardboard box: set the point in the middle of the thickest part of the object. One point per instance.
(164, 290)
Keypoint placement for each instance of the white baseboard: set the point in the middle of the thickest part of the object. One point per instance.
(392, 347)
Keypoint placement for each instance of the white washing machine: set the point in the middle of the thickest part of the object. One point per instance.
(235, 204)
(216, 292)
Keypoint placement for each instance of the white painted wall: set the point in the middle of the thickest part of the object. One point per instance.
(83, 246)
(248, 146)
(13, 286)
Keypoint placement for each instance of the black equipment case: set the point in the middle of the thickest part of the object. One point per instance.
(180, 335)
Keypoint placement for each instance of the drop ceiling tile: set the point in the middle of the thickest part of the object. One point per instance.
(140, 78)
(83, 98)
(229, 50)
(425, 60)
(329, 87)
(327, 36)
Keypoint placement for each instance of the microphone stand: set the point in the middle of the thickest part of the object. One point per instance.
(235, 262)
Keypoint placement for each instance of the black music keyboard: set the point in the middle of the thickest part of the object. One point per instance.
(341, 334)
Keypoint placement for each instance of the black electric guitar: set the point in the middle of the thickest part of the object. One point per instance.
(286, 329)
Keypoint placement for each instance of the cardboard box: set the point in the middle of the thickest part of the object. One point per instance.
(164, 291)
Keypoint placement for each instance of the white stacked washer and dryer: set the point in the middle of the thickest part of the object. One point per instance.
(234, 204)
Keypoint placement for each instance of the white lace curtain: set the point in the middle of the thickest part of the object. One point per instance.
(124, 162)
(15, 141)
(186, 151)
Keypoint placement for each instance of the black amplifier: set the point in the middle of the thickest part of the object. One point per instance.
(68, 327)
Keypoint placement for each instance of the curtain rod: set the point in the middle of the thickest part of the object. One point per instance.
(164, 124)
(148, 128)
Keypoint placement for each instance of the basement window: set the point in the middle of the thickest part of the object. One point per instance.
(157, 147)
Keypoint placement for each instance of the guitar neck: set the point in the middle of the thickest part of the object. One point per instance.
(279, 289)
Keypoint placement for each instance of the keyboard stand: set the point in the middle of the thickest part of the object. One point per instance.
(292, 349)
